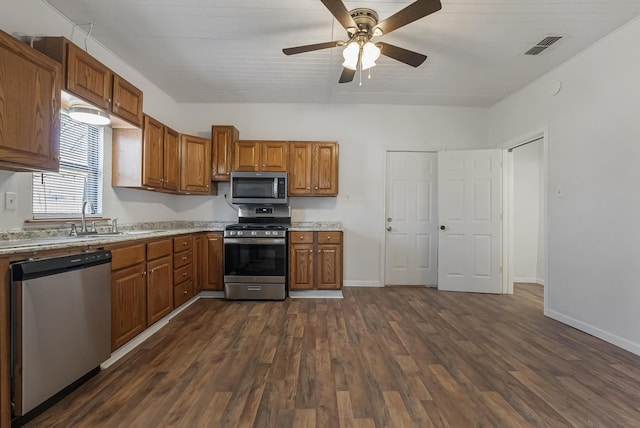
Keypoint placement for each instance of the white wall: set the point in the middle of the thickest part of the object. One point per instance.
(527, 207)
(593, 136)
(364, 133)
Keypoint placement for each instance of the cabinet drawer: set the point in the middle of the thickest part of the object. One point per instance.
(181, 259)
(182, 243)
(301, 237)
(182, 293)
(127, 256)
(329, 237)
(159, 248)
(182, 274)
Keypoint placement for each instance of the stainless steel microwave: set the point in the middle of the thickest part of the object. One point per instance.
(259, 188)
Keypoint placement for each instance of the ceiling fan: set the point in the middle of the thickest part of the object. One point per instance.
(362, 25)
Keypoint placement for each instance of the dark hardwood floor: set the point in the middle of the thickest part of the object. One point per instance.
(387, 357)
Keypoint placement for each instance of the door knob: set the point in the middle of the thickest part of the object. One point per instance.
(442, 227)
(388, 218)
(389, 229)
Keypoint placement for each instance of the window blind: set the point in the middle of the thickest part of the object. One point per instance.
(80, 175)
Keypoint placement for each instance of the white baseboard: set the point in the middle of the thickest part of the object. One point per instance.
(594, 331)
(316, 294)
(528, 279)
(361, 284)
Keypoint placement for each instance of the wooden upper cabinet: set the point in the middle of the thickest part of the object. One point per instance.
(153, 136)
(127, 100)
(89, 79)
(223, 139)
(195, 164)
(300, 168)
(324, 177)
(246, 156)
(29, 108)
(274, 156)
(146, 158)
(271, 156)
(313, 169)
(171, 159)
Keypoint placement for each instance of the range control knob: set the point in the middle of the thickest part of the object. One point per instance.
(240, 233)
(254, 233)
(267, 233)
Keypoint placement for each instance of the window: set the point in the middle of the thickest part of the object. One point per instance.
(80, 177)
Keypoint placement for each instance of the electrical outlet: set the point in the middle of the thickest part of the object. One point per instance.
(10, 201)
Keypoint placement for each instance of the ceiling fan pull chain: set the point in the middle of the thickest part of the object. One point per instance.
(360, 74)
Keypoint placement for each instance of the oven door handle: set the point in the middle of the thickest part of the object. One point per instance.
(254, 241)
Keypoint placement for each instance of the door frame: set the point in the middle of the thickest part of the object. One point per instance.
(508, 208)
(383, 249)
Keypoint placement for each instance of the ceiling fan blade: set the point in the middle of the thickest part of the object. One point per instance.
(413, 12)
(403, 55)
(347, 75)
(341, 13)
(309, 48)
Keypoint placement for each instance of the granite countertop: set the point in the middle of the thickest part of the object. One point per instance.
(316, 225)
(33, 240)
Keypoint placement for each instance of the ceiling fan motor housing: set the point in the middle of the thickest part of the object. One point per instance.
(366, 19)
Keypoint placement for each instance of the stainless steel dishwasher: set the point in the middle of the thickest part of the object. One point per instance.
(60, 327)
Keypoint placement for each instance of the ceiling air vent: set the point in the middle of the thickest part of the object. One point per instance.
(542, 45)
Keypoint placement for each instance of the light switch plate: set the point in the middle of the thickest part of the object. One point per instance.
(10, 201)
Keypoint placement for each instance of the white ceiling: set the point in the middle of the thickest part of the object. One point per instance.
(230, 51)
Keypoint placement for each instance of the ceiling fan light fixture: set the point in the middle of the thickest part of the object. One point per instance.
(351, 54)
(370, 53)
(92, 116)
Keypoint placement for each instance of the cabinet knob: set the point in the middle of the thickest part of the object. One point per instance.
(117, 104)
(328, 237)
(311, 251)
(207, 186)
(151, 271)
(184, 274)
(316, 187)
(143, 273)
(301, 237)
(308, 188)
(184, 292)
(184, 258)
(184, 243)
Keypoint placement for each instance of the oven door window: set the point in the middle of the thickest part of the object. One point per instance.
(254, 259)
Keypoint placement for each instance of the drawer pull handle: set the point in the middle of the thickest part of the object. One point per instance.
(184, 257)
(184, 243)
(301, 237)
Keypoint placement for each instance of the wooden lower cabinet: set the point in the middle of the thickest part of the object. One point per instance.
(159, 279)
(214, 262)
(315, 260)
(199, 262)
(128, 304)
(182, 269)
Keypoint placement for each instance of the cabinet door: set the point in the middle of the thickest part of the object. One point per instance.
(195, 164)
(159, 289)
(127, 101)
(301, 275)
(214, 262)
(274, 156)
(325, 169)
(329, 266)
(223, 139)
(246, 156)
(201, 264)
(29, 107)
(153, 143)
(128, 304)
(88, 78)
(300, 169)
(171, 159)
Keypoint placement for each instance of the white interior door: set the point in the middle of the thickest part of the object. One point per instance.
(411, 222)
(469, 211)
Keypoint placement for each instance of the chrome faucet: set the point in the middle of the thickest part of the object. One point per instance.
(83, 228)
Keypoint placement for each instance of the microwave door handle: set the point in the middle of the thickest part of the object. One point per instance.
(275, 186)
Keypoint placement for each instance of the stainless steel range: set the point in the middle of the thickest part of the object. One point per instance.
(255, 253)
